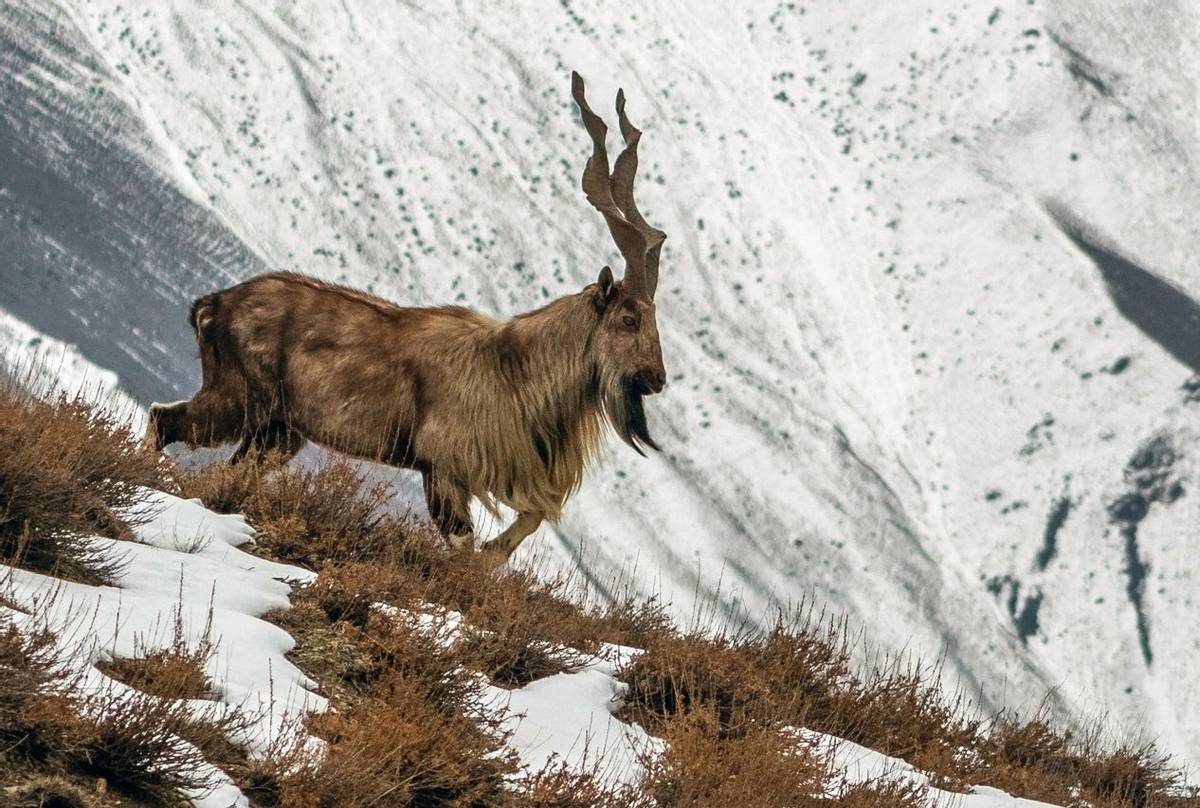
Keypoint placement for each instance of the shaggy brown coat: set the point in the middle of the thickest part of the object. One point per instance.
(507, 411)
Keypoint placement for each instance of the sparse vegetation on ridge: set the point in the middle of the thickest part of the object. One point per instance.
(801, 674)
(114, 746)
(67, 472)
(397, 631)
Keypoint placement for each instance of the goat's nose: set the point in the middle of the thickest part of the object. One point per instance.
(656, 380)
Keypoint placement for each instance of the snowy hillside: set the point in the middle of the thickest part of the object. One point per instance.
(928, 303)
(211, 595)
(215, 600)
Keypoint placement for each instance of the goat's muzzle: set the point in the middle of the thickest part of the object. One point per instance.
(649, 382)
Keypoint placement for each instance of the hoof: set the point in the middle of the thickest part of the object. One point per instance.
(153, 436)
(461, 542)
(163, 422)
(492, 557)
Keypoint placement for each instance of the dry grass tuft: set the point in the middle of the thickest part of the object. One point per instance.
(67, 472)
(176, 671)
(706, 767)
(163, 673)
(129, 742)
(407, 729)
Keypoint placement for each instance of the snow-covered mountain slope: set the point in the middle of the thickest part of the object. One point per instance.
(214, 597)
(34, 361)
(927, 304)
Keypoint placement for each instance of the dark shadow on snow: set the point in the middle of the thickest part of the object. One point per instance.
(98, 246)
(1161, 311)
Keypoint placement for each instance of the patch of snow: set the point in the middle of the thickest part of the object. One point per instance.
(214, 594)
(568, 718)
(854, 764)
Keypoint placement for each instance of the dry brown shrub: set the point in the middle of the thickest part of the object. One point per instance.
(887, 793)
(682, 674)
(50, 791)
(310, 516)
(130, 741)
(1034, 759)
(632, 620)
(176, 671)
(225, 487)
(408, 728)
(134, 741)
(901, 710)
(706, 767)
(350, 657)
(350, 592)
(513, 656)
(516, 630)
(29, 671)
(67, 471)
(397, 749)
(558, 786)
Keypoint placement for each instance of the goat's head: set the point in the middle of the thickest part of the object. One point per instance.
(626, 342)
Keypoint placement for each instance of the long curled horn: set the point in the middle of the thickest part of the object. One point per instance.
(623, 175)
(598, 188)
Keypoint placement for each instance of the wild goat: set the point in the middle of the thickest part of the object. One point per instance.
(505, 411)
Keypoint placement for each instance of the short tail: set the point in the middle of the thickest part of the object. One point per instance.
(202, 313)
(202, 317)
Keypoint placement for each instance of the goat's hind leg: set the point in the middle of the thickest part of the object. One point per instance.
(208, 419)
(165, 424)
(276, 436)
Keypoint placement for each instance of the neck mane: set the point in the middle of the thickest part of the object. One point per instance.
(545, 359)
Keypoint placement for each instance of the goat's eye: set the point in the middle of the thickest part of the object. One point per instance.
(630, 322)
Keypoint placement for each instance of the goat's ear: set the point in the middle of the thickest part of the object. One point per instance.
(608, 289)
(605, 281)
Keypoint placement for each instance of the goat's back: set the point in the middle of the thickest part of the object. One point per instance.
(345, 368)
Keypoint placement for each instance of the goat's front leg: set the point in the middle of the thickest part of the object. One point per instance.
(449, 509)
(496, 552)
